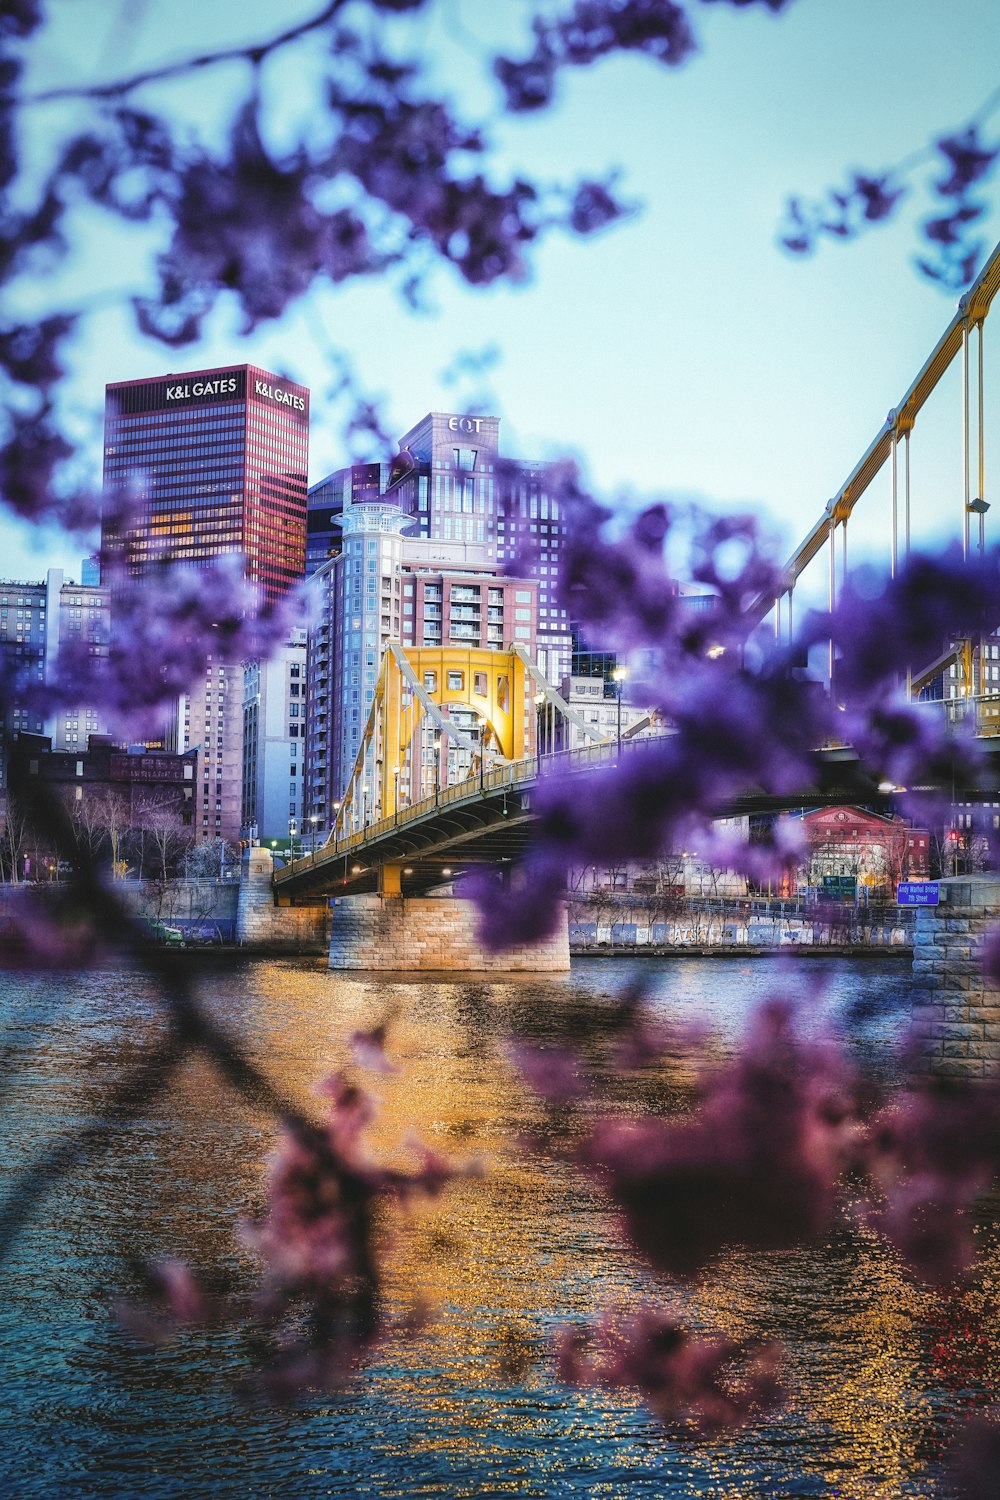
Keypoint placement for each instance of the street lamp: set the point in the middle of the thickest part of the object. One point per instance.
(437, 764)
(618, 676)
(539, 721)
(482, 752)
(292, 831)
(395, 794)
(313, 819)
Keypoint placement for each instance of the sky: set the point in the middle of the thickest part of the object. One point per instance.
(680, 353)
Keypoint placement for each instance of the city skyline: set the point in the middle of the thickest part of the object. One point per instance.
(680, 351)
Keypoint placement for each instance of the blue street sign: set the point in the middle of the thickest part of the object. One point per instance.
(918, 893)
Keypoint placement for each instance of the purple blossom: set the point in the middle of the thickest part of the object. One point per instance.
(869, 198)
(715, 1384)
(317, 1240)
(931, 1156)
(166, 627)
(526, 911)
(30, 352)
(19, 18)
(592, 29)
(249, 224)
(29, 464)
(757, 1165)
(553, 1072)
(174, 1297)
(593, 207)
(368, 1050)
(969, 162)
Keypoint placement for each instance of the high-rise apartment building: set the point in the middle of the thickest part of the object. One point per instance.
(274, 743)
(36, 619)
(386, 585)
(451, 481)
(327, 503)
(215, 462)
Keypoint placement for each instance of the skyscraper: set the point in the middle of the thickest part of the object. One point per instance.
(215, 462)
(451, 480)
(386, 585)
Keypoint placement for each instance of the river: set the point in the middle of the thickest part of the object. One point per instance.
(880, 1368)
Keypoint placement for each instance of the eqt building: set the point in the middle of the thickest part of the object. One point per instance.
(216, 462)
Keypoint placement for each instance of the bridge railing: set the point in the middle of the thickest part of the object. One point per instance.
(488, 783)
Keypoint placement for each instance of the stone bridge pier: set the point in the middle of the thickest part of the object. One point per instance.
(263, 925)
(956, 1008)
(434, 933)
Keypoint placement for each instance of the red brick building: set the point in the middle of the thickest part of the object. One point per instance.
(876, 851)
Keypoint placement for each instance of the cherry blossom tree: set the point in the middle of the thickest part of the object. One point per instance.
(394, 184)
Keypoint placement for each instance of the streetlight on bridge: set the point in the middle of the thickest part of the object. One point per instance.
(437, 764)
(539, 722)
(618, 676)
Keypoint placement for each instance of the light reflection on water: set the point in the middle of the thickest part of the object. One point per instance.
(877, 1365)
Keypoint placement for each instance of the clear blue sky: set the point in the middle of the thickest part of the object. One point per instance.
(681, 352)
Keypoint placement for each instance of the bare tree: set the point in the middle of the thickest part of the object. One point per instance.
(158, 824)
(14, 839)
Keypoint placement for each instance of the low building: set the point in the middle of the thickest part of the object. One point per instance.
(852, 844)
(599, 703)
(36, 620)
(128, 806)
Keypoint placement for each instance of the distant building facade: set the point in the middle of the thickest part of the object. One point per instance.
(852, 843)
(596, 701)
(274, 744)
(450, 479)
(36, 619)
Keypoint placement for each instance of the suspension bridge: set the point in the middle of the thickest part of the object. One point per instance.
(452, 751)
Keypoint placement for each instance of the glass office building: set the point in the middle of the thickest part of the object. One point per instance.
(215, 462)
(212, 462)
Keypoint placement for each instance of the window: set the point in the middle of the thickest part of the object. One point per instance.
(480, 685)
(456, 682)
(430, 682)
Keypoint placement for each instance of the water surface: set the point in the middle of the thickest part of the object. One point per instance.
(880, 1367)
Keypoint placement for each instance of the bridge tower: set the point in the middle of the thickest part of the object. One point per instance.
(441, 783)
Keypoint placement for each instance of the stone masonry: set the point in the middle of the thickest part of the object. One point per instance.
(266, 927)
(406, 933)
(956, 1008)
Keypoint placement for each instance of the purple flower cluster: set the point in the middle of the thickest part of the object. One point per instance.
(959, 249)
(166, 626)
(779, 1144)
(758, 1165)
(871, 198)
(319, 1299)
(866, 200)
(592, 29)
(710, 1384)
